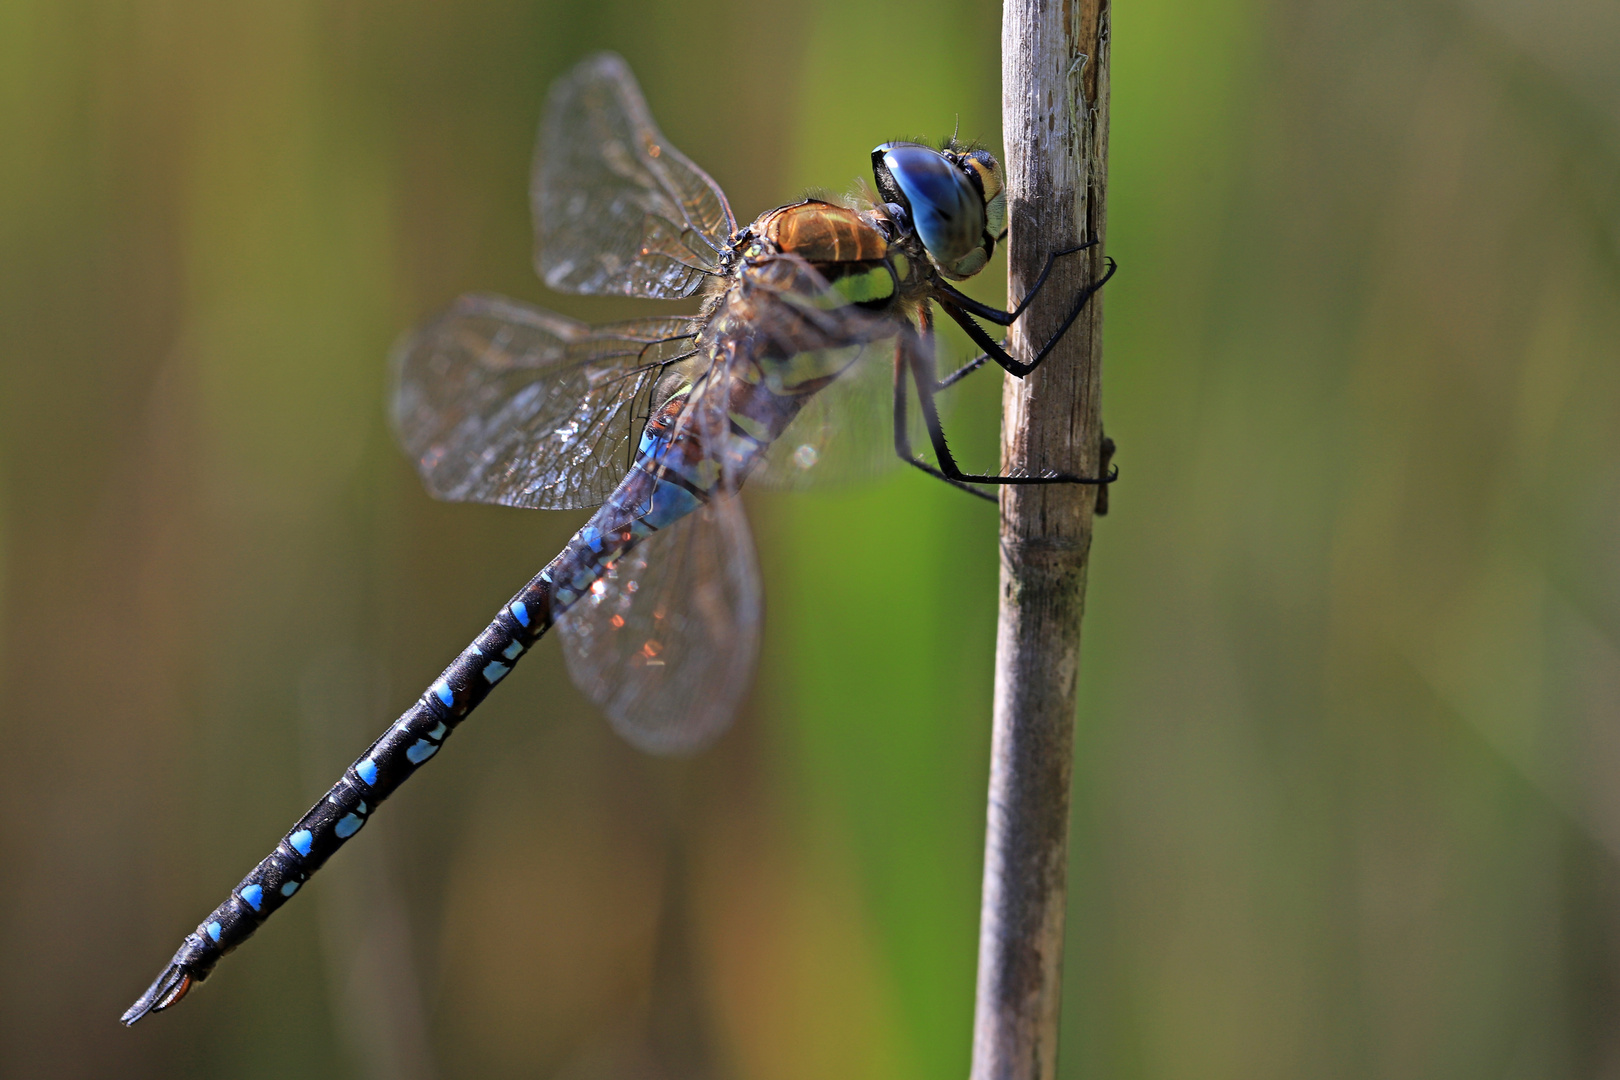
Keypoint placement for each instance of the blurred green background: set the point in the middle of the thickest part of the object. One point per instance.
(1346, 799)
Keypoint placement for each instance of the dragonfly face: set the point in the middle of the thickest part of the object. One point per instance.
(954, 199)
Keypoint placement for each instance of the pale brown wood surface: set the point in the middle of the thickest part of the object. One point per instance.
(1055, 126)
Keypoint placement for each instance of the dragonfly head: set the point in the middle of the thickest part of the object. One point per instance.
(954, 198)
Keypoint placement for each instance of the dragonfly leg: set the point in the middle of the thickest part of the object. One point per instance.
(916, 356)
(962, 309)
(939, 475)
(1007, 318)
(902, 437)
(963, 372)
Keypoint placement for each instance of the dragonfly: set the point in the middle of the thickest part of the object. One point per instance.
(814, 320)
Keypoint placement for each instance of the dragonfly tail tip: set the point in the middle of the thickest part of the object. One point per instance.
(166, 989)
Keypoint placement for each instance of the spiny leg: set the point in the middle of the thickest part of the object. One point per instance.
(1105, 455)
(902, 436)
(1004, 318)
(963, 372)
(1007, 318)
(919, 359)
(954, 307)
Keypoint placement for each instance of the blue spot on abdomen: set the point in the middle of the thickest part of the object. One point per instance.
(348, 825)
(367, 771)
(213, 931)
(302, 841)
(520, 612)
(289, 888)
(254, 895)
(442, 690)
(421, 751)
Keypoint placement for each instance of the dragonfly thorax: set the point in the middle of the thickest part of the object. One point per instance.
(823, 232)
(861, 253)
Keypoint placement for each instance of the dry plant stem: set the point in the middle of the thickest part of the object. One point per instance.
(1054, 57)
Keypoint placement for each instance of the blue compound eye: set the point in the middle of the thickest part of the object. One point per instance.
(946, 210)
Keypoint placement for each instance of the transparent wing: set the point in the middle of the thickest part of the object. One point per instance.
(499, 402)
(829, 362)
(844, 433)
(665, 643)
(617, 209)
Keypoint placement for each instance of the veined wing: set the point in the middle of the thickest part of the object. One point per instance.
(500, 402)
(827, 364)
(617, 209)
(665, 643)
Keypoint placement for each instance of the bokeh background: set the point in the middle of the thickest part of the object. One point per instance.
(1345, 788)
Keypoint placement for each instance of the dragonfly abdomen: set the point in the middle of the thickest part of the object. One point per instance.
(652, 496)
(342, 812)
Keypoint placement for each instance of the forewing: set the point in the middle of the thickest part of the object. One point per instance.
(499, 402)
(617, 209)
(666, 642)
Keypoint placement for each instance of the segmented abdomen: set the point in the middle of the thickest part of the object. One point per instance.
(681, 464)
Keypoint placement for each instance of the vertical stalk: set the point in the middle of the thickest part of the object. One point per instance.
(1054, 57)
